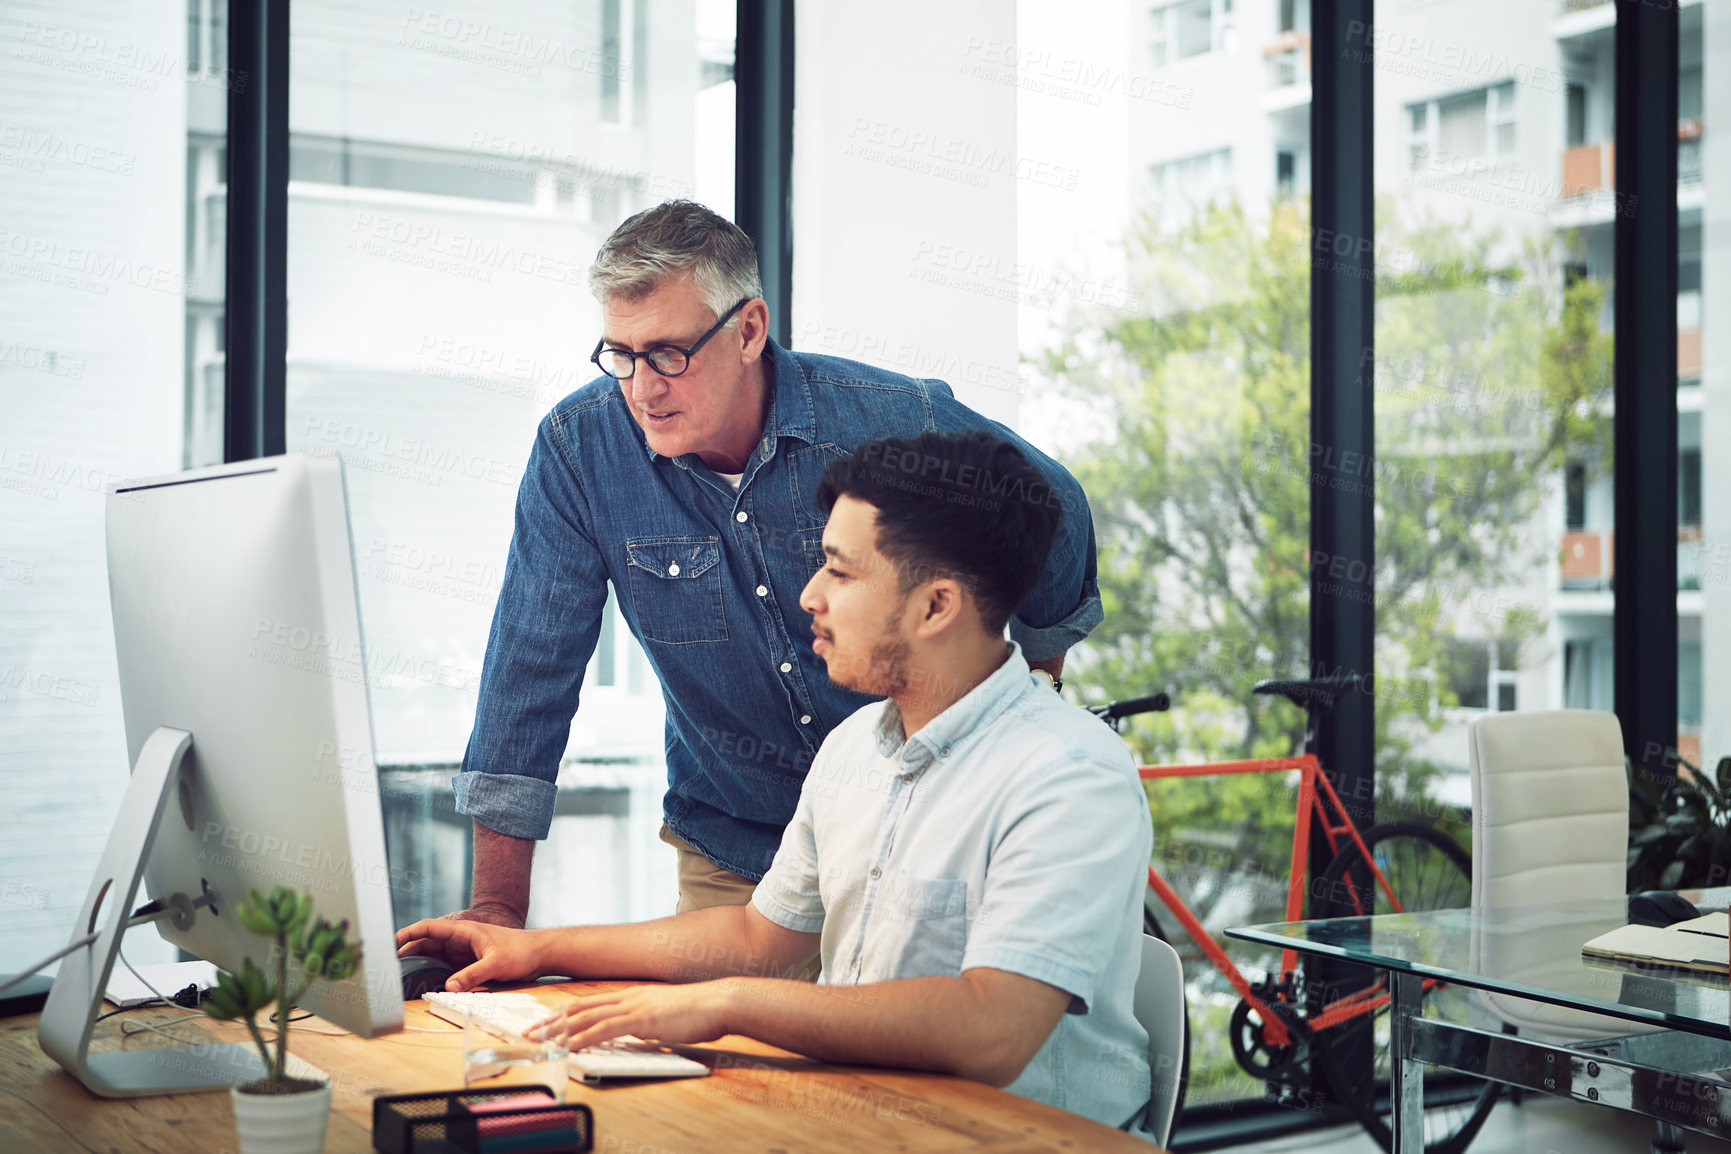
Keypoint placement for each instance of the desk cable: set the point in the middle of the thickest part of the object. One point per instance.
(80, 943)
(180, 999)
(150, 911)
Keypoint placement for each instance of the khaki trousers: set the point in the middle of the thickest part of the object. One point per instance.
(703, 884)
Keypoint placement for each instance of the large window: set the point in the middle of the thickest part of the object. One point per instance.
(452, 173)
(1492, 389)
(1181, 398)
(111, 286)
(1704, 392)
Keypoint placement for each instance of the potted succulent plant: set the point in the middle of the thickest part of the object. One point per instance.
(278, 1113)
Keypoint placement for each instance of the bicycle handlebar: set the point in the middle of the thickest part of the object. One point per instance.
(1155, 703)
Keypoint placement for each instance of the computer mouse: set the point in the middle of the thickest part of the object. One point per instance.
(1660, 908)
(421, 974)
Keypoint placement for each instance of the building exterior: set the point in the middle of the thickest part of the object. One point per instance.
(1495, 117)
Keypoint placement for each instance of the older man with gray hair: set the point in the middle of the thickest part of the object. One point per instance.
(686, 476)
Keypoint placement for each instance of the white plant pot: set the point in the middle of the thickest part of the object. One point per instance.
(281, 1123)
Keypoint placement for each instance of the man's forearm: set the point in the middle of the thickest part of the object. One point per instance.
(947, 1025)
(1052, 665)
(502, 865)
(711, 943)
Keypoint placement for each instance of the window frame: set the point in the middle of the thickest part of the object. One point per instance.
(1424, 140)
(1163, 31)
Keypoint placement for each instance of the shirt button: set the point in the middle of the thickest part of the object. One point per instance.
(805, 719)
(876, 873)
(762, 591)
(740, 517)
(944, 752)
(786, 667)
(673, 569)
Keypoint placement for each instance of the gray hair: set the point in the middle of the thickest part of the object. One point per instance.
(674, 237)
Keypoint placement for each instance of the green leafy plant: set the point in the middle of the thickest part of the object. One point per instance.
(1679, 828)
(318, 949)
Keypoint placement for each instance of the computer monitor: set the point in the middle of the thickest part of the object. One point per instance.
(244, 692)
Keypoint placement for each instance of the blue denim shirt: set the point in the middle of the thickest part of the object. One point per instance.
(708, 579)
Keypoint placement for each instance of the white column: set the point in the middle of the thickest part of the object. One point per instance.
(904, 192)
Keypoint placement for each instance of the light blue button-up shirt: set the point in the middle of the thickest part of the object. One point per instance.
(1010, 832)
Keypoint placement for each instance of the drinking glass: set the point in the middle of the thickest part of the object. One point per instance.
(498, 1057)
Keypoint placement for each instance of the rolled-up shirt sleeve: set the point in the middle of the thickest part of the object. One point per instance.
(544, 630)
(788, 895)
(1068, 871)
(1040, 642)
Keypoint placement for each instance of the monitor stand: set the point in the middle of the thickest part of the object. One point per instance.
(76, 999)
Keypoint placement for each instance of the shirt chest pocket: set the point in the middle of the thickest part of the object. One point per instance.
(805, 468)
(675, 586)
(924, 923)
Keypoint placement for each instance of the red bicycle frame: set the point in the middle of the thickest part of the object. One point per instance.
(1315, 796)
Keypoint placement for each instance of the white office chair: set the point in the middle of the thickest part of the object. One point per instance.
(1159, 1006)
(1550, 824)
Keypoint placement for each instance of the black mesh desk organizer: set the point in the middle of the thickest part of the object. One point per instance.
(443, 1123)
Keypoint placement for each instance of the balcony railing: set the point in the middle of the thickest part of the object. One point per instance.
(1590, 167)
(1691, 556)
(1586, 560)
(1688, 354)
(1688, 151)
(1288, 59)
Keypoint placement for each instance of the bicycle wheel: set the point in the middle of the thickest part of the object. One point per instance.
(1151, 926)
(1427, 870)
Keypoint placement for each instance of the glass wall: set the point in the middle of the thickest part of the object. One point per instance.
(1169, 366)
(1492, 378)
(452, 173)
(111, 283)
(1703, 409)
(1492, 386)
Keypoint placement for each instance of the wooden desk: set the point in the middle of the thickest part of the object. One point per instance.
(759, 1098)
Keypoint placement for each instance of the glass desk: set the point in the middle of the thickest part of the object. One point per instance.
(1680, 1074)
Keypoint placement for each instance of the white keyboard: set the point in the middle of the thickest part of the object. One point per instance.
(501, 1014)
(511, 1014)
(628, 1057)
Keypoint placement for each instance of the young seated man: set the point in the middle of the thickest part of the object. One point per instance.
(967, 855)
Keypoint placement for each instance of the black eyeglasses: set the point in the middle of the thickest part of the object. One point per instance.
(668, 360)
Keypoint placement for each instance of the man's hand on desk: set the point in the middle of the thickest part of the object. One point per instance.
(492, 913)
(482, 951)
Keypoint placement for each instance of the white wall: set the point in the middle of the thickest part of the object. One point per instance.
(92, 169)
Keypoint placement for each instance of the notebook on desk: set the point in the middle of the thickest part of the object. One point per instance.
(1702, 944)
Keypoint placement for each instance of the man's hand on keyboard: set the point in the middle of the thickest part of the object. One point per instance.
(692, 1013)
(484, 953)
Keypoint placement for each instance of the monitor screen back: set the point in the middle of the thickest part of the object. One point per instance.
(235, 619)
